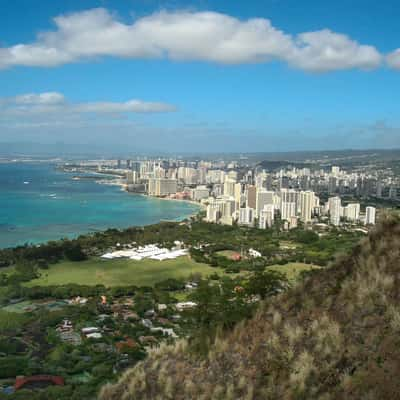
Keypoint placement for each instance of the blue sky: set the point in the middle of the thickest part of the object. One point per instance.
(202, 75)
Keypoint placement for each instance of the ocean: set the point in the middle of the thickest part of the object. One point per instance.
(39, 203)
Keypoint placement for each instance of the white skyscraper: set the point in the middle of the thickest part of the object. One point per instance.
(162, 186)
(288, 210)
(227, 211)
(370, 214)
(213, 211)
(289, 195)
(335, 206)
(240, 197)
(246, 216)
(266, 218)
(352, 212)
(229, 188)
(200, 192)
(306, 205)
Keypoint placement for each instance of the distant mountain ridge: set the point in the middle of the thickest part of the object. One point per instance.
(334, 336)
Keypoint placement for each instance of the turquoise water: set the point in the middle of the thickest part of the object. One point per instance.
(39, 203)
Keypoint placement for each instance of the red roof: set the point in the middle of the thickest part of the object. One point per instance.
(20, 381)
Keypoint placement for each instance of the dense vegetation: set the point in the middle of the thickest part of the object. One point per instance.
(228, 290)
(311, 248)
(334, 336)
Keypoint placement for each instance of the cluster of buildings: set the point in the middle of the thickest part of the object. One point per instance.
(251, 196)
(256, 206)
(260, 194)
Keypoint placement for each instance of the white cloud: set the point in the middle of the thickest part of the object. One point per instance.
(47, 98)
(393, 59)
(135, 106)
(202, 36)
(53, 103)
(326, 50)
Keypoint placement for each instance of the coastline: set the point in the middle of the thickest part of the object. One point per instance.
(201, 207)
(79, 216)
(124, 187)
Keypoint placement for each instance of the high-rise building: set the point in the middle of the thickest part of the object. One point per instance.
(260, 180)
(200, 192)
(202, 175)
(335, 206)
(162, 186)
(232, 175)
(239, 195)
(146, 169)
(266, 218)
(289, 195)
(135, 166)
(246, 216)
(229, 188)
(370, 214)
(332, 184)
(213, 213)
(306, 205)
(264, 197)
(252, 197)
(288, 210)
(215, 176)
(352, 212)
(158, 172)
(379, 189)
(131, 177)
(227, 210)
(188, 175)
(220, 210)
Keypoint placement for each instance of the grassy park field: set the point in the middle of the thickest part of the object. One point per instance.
(120, 272)
(292, 270)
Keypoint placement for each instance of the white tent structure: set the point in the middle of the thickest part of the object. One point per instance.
(150, 251)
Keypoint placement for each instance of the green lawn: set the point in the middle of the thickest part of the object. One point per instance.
(120, 272)
(286, 244)
(293, 270)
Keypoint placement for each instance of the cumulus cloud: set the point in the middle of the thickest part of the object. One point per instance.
(53, 102)
(180, 35)
(326, 50)
(393, 59)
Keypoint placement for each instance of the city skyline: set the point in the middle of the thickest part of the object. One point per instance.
(200, 76)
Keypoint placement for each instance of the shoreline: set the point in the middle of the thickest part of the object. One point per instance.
(124, 186)
(117, 182)
(34, 236)
(201, 207)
